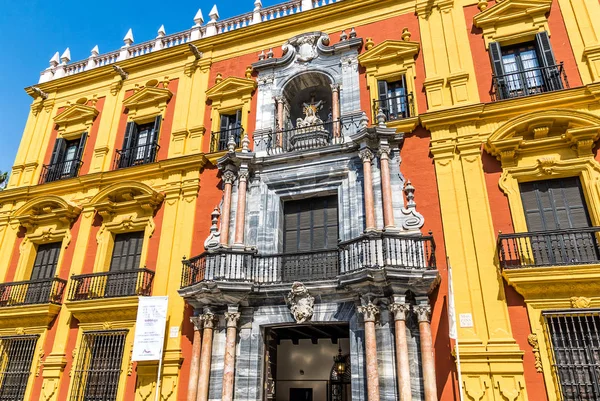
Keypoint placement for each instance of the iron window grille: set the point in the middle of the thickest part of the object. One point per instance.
(575, 342)
(140, 144)
(98, 366)
(16, 357)
(66, 160)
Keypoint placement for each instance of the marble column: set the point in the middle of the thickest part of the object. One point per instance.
(370, 312)
(208, 319)
(335, 109)
(228, 177)
(195, 360)
(423, 314)
(367, 156)
(386, 187)
(280, 100)
(229, 364)
(240, 214)
(400, 311)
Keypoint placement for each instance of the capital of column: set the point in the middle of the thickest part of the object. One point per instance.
(335, 87)
(366, 155)
(197, 322)
(243, 175)
(208, 319)
(228, 177)
(399, 310)
(384, 151)
(232, 318)
(423, 312)
(279, 99)
(369, 312)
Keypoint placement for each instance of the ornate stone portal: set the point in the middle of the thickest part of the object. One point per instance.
(300, 302)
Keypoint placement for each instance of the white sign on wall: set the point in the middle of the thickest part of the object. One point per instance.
(150, 329)
(466, 320)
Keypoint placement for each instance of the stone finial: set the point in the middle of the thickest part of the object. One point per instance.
(406, 35)
(409, 190)
(343, 36)
(219, 78)
(214, 238)
(300, 302)
(261, 55)
(161, 32)
(352, 33)
(369, 44)
(381, 118)
(214, 13)
(245, 144)
(364, 120)
(369, 311)
(199, 18)
(257, 5)
(55, 60)
(128, 39)
(270, 53)
(231, 143)
(256, 18)
(95, 51)
(66, 56)
(249, 72)
(482, 5)
(423, 312)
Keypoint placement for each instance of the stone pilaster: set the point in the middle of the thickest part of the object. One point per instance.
(386, 187)
(370, 313)
(423, 314)
(228, 177)
(400, 312)
(231, 318)
(209, 322)
(195, 359)
(240, 216)
(367, 157)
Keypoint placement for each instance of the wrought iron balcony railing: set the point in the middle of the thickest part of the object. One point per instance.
(529, 82)
(32, 292)
(395, 107)
(305, 137)
(369, 251)
(60, 171)
(136, 155)
(220, 140)
(549, 248)
(111, 284)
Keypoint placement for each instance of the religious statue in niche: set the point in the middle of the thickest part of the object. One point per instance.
(311, 131)
(311, 116)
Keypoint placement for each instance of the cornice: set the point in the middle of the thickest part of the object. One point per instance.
(28, 316)
(104, 309)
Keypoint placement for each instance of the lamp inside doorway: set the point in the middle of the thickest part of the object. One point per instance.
(340, 362)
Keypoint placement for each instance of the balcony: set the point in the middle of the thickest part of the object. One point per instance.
(136, 156)
(531, 81)
(115, 284)
(60, 171)
(395, 107)
(549, 248)
(375, 251)
(32, 292)
(219, 140)
(306, 137)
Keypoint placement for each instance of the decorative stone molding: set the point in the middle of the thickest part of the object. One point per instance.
(513, 20)
(214, 238)
(533, 341)
(366, 155)
(75, 120)
(580, 302)
(369, 311)
(400, 311)
(147, 103)
(300, 302)
(423, 312)
(197, 322)
(232, 318)
(228, 177)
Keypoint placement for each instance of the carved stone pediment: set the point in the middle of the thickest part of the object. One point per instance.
(125, 198)
(75, 120)
(46, 211)
(231, 87)
(389, 51)
(147, 102)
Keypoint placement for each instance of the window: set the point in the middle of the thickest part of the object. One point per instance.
(98, 366)
(230, 126)
(124, 264)
(525, 69)
(16, 357)
(139, 144)
(44, 268)
(310, 239)
(393, 100)
(575, 339)
(557, 215)
(65, 161)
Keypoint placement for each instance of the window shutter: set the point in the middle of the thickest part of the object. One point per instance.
(544, 48)
(496, 58)
(238, 118)
(382, 87)
(127, 251)
(45, 262)
(151, 149)
(130, 132)
(310, 224)
(58, 152)
(81, 146)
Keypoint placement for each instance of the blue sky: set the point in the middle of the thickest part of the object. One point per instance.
(33, 30)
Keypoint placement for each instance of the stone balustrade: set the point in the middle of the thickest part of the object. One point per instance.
(62, 66)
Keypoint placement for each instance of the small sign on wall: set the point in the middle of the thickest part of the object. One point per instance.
(174, 332)
(466, 320)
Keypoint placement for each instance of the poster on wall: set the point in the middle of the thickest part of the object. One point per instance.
(150, 329)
